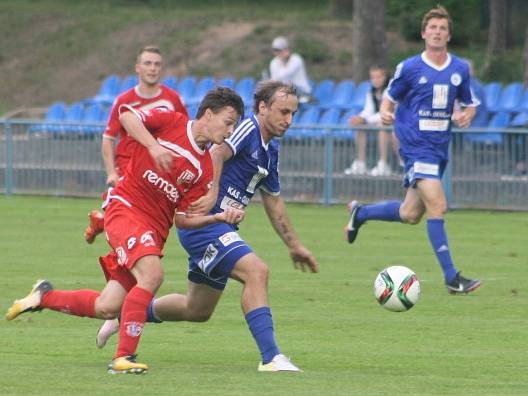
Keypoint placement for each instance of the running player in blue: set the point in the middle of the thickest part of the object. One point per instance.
(425, 88)
(243, 164)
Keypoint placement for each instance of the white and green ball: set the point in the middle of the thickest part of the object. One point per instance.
(397, 288)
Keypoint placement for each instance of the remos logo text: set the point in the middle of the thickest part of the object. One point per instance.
(170, 190)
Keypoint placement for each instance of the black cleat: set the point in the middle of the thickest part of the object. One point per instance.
(352, 228)
(461, 285)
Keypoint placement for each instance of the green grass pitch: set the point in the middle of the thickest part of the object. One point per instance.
(328, 323)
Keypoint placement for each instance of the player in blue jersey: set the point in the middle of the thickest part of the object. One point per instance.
(245, 163)
(424, 88)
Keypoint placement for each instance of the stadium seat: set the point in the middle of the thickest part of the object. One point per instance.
(246, 88)
(520, 120)
(523, 102)
(92, 115)
(324, 92)
(54, 114)
(497, 122)
(186, 87)
(74, 114)
(109, 90)
(170, 82)
(309, 117)
(358, 102)
(202, 87)
(228, 82)
(127, 83)
(343, 95)
(510, 97)
(192, 109)
(345, 133)
(329, 118)
(492, 91)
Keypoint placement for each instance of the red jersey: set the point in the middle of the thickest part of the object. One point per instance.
(152, 193)
(167, 98)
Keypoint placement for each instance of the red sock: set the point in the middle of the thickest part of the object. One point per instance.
(73, 302)
(133, 316)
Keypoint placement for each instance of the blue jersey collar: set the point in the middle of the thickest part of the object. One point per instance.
(255, 121)
(436, 67)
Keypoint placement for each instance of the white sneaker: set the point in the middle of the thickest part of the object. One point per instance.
(107, 330)
(381, 169)
(357, 168)
(278, 363)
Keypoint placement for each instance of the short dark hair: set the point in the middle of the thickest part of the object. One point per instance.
(440, 13)
(218, 98)
(148, 48)
(266, 91)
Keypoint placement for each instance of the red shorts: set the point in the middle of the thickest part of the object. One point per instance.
(131, 237)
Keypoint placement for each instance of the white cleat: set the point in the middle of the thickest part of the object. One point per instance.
(279, 363)
(107, 330)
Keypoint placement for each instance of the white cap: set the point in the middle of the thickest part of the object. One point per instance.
(280, 43)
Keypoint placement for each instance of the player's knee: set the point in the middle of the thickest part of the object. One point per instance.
(199, 316)
(259, 273)
(105, 310)
(411, 216)
(152, 281)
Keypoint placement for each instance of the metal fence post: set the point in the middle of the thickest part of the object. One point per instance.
(329, 168)
(9, 158)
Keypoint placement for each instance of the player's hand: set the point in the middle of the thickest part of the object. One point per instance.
(387, 118)
(230, 216)
(356, 120)
(461, 118)
(303, 258)
(112, 179)
(162, 157)
(203, 204)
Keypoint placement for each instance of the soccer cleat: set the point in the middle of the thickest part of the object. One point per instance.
(278, 363)
(95, 227)
(30, 303)
(352, 227)
(127, 365)
(461, 285)
(107, 330)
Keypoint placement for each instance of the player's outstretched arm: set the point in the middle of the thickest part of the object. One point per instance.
(107, 151)
(276, 210)
(189, 220)
(219, 154)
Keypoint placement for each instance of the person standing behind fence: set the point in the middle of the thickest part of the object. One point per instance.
(289, 68)
(425, 87)
(147, 94)
(379, 79)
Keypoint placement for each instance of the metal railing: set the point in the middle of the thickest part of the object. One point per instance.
(65, 159)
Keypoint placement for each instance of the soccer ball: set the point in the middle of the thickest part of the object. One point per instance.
(397, 288)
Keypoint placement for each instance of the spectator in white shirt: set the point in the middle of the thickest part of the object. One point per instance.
(370, 115)
(289, 68)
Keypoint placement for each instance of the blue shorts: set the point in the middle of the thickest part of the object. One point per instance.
(422, 168)
(213, 252)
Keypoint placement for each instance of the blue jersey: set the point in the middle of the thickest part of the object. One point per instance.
(426, 95)
(254, 165)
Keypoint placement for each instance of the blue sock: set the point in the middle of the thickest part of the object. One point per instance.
(260, 324)
(386, 211)
(438, 238)
(151, 316)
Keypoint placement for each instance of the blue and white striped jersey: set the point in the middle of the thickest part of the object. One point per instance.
(426, 94)
(254, 165)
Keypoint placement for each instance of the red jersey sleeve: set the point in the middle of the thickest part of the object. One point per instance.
(153, 119)
(113, 126)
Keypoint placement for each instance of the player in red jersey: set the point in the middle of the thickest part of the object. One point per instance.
(148, 94)
(170, 168)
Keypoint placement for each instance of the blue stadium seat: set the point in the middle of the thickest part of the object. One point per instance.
(329, 117)
(202, 87)
(510, 97)
(55, 113)
(324, 92)
(345, 133)
(523, 102)
(128, 82)
(310, 116)
(520, 120)
(92, 115)
(192, 110)
(170, 82)
(186, 87)
(228, 82)
(360, 95)
(497, 122)
(343, 95)
(74, 114)
(109, 90)
(246, 88)
(492, 91)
